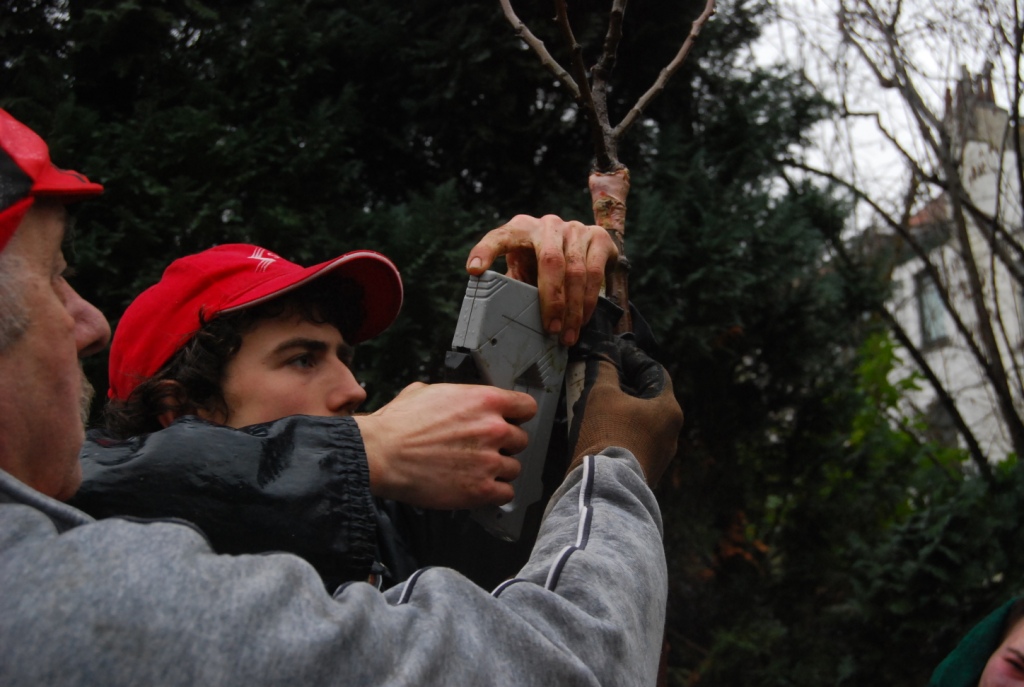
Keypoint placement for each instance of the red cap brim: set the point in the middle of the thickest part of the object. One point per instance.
(54, 182)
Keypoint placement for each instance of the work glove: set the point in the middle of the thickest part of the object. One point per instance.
(627, 401)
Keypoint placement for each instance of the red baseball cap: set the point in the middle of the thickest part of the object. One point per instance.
(26, 173)
(198, 288)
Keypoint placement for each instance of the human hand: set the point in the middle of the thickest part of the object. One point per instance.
(446, 446)
(565, 260)
(627, 401)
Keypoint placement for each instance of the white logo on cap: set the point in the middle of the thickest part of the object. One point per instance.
(264, 257)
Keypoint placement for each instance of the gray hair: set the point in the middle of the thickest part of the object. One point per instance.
(13, 313)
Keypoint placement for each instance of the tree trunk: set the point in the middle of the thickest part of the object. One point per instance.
(608, 193)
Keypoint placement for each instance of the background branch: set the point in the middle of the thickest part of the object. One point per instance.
(667, 72)
(523, 31)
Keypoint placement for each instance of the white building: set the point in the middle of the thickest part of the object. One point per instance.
(928, 310)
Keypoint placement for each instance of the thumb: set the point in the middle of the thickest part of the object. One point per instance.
(642, 376)
(482, 256)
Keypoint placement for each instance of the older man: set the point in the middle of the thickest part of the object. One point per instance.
(125, 602)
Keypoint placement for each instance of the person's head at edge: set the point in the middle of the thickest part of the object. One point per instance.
(1005, 667)
(45, 326)
(238, 335)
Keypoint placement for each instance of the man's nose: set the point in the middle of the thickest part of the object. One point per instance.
(346, 395)
(92, 331)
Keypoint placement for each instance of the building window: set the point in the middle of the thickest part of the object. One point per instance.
(931, 310)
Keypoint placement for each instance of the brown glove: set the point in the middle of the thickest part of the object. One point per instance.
(627, 401)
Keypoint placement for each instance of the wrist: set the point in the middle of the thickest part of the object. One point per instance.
(369, 430)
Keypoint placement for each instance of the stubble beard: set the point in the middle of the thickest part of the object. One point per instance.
(85, 398)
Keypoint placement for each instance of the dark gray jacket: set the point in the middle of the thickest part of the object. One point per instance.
(117, 602)
(299, 485)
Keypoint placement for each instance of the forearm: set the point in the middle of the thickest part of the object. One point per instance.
(590, 603)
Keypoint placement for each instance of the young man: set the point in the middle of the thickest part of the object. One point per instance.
(117, 602)
(234, 338)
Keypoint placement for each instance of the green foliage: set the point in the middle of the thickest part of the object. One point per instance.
(875, 559)
(809, 540)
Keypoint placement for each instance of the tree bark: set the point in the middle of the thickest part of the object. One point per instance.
(608, 192)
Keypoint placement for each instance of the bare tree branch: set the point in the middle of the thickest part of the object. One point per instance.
(973, 448)
(998, 237)
(591, 109)
(997, 311)
(997, 234)
(929, 268)
(947, 401)
(667, 72)
(1018, 53)
(538, 47)
(603, 68)
(602, 79)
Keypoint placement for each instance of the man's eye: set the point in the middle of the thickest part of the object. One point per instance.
(65, 274)
(302, 361)
(60, 281)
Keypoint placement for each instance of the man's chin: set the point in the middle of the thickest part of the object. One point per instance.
(71, 482)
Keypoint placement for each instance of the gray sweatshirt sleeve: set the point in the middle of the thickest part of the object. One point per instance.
(123, 603)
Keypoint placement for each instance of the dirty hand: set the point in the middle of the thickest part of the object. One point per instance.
(565, 260)
(446, 446)
(627, 401)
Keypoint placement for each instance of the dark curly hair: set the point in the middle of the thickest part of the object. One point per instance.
(198, 366)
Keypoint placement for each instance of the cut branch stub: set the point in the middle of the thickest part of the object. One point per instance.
(608, 192)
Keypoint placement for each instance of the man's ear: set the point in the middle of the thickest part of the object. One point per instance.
(173, 401)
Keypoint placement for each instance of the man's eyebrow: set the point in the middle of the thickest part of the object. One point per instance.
(345, 351)
(300, 342)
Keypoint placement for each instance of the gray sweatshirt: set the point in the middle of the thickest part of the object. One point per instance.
(119, 602)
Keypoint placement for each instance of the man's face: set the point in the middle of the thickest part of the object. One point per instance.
(290, 366)
(42, 382)
(1005, 668)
